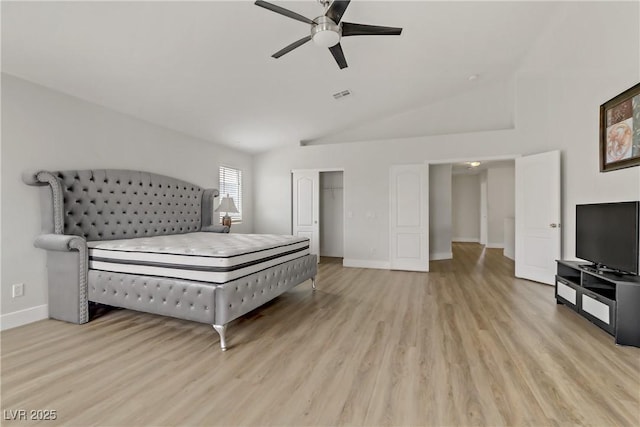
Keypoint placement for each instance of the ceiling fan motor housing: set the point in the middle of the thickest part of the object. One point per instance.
(325, 33)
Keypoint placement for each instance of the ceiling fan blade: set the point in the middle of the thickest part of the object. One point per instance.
(351, 29)
(338, 54)
(292, 46)
(336, 10)
(283, 11)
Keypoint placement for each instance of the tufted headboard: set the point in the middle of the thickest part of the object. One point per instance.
(112, 204)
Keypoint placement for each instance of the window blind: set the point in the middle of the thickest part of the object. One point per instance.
(231, 184)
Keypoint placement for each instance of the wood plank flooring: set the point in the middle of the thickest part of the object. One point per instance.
(466, 344)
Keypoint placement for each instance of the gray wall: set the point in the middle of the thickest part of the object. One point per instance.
(501, 202)
(465, 208)
(440, 228)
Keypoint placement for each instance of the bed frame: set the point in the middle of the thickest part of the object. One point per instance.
(82, 205)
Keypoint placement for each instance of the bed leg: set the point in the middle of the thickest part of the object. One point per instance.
(313, 283)
(221, 329)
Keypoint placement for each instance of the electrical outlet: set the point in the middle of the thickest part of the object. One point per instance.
(17, 290)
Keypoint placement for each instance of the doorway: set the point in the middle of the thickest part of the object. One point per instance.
(483, 204)
(531, 234)
(318, 211)
(332, 216)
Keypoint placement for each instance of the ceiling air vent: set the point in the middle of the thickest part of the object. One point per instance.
(341, 94)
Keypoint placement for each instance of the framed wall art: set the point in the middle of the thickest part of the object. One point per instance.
(620, 131)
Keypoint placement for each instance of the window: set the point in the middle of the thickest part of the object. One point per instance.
(231, 184)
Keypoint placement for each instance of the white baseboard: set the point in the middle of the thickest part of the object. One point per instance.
(440, 255)
(466, 239)
(495, 245)
(23, 317)
(366, 263)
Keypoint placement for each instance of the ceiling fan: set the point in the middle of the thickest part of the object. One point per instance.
(327, 29)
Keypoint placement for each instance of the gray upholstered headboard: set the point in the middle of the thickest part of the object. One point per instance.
(118, 204)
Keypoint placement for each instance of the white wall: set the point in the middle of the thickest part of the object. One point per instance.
(574, 68)
(45, 129)
(465, 208)
(559, 88)
(484, 215)
(501, 203)
(440, 227)
(366, 181)
(331, 214)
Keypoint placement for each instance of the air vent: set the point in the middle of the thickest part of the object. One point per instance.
(342, 94)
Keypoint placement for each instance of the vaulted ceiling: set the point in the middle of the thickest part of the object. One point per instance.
(205, 68)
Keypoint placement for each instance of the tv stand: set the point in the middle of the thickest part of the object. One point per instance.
(609, 300)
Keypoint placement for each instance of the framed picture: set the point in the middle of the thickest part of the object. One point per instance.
(620, 131)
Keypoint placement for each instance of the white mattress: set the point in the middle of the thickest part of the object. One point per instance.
(210, 257)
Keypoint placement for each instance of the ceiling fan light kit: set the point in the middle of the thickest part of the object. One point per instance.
(325, 33)
(327, 29)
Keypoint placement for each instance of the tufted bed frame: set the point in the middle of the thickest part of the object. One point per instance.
(94, 205)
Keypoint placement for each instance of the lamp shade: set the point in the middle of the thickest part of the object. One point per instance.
(227, 205)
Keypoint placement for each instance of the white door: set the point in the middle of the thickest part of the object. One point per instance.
(306, 207)
(538, 213)
(409, 217)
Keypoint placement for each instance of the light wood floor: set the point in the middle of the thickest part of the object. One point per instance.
(466, 344)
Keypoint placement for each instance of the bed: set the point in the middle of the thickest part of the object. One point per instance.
(147, 242)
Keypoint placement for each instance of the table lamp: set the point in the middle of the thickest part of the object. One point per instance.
(226, 205)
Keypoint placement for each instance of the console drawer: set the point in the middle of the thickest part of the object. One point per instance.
(567, 292)
(599, 310)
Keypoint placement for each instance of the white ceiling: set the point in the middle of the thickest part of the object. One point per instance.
(204, 68)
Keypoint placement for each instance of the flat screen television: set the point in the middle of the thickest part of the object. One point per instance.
(607, 235)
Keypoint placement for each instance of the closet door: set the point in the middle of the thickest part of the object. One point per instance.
(306, 207)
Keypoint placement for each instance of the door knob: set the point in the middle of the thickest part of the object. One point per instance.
(553, 225)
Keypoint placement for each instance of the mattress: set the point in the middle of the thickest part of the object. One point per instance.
(207, 257)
